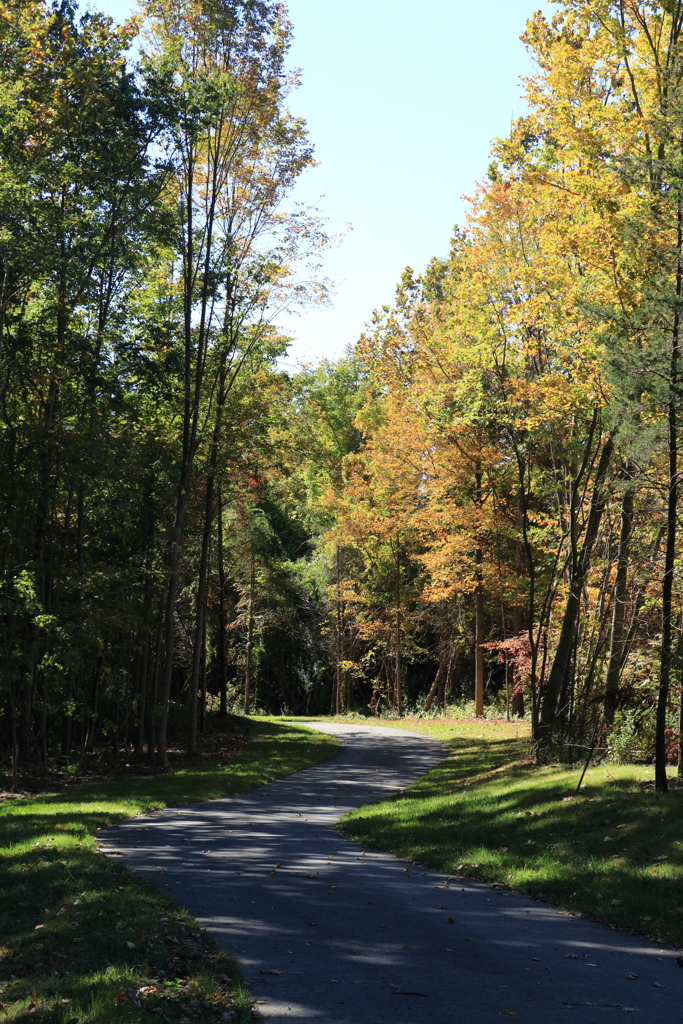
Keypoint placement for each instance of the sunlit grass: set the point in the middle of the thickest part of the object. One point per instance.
(80, 936)
(614, 852)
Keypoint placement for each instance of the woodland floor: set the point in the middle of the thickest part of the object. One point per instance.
(222, 738)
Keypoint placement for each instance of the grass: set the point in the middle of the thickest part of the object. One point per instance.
(614, 852)
(82, 939)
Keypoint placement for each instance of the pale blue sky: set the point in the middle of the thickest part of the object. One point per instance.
(402, 101)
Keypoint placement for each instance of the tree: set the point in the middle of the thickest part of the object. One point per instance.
(235, 153)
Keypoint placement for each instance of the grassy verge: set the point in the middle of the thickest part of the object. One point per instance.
(613, 853)
(84, 940)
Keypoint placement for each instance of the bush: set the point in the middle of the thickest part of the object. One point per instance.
(631, 739)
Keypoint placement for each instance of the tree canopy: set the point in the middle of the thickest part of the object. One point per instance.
(478, 501)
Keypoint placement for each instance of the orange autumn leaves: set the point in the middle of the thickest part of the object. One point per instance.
(506, 362)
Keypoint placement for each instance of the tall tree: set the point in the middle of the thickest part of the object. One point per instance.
(235, 152)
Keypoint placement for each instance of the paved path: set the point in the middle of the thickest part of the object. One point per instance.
(328, 933)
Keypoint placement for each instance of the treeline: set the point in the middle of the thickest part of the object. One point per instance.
(515, 504)
(147, 241)
(479, 500)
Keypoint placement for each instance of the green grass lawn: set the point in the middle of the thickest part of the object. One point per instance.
(82, 939)
(613, 853)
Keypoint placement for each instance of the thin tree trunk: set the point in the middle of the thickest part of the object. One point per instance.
(200, 626)
(202, 689)
(250, 632)
(153, 708)
(340, 639)
(661, 781)
(437, 685)
(478, 641)
(478, 617)
(565, 645)
(169, 630)
(92, 724)
(222, 622)
(519, 627)
(43, 727)
(680, 725)
(200, 618)
(26, 698)
(399, 652)
(67, 718)
(618, 638)
(194, 344)
(143, 683)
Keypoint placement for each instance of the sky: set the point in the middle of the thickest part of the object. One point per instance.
(402, 101)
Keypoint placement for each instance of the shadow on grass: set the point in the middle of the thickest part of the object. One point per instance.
(81, 938)
(615, 852)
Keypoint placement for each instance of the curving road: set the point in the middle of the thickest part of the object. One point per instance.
(331, 934)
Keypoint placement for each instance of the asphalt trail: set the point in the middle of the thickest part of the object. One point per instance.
(329, 933)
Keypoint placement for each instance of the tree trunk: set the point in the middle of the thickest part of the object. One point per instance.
(478, 651)
(169, 630)
(43, 726)
(519, 627)
(222, 621)
(143, 685)
(67, 718)
(200, 617)
(618, 647)
(340, 639)
(250, 632)
(565, 645)
(202, 688)
(200, 626)
(478, 618)
(680, 727)
(153, 707)
(94, 707)
(27, 696)
(438, 680)
(399, 652)
(661, 781)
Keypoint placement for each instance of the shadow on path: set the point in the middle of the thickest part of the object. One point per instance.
(330, 933)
